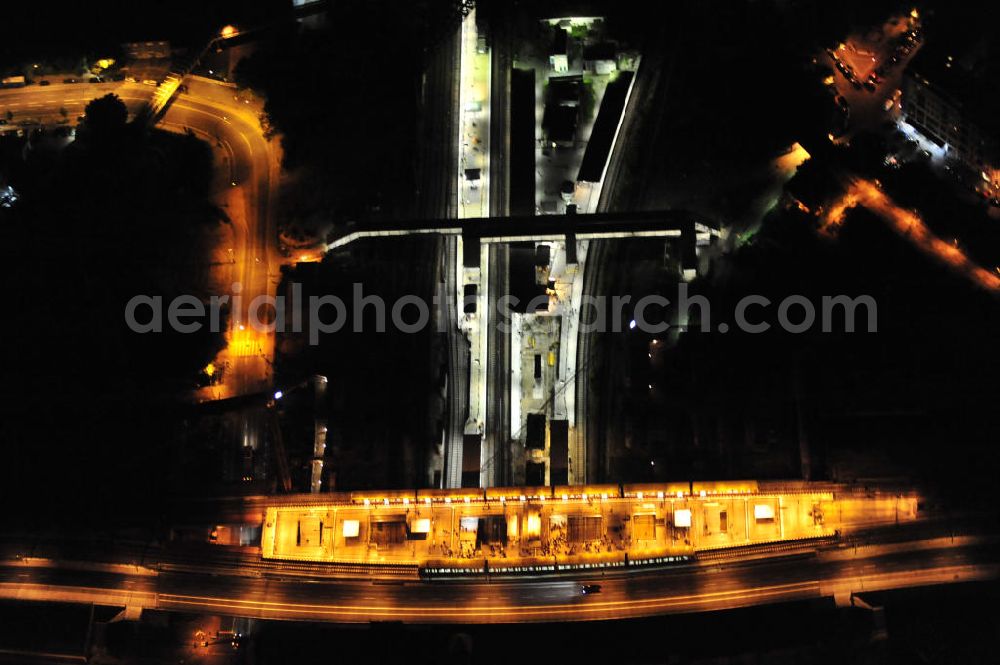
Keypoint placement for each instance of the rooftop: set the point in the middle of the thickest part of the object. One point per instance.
(965, 73)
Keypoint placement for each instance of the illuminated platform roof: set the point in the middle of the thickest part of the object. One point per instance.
(539, 529)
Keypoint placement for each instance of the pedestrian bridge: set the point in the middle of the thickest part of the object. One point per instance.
(665, 224)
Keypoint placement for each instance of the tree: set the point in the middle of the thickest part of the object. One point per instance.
(106, 116)
(120, 216)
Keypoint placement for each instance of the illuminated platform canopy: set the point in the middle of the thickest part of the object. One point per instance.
(527, 527)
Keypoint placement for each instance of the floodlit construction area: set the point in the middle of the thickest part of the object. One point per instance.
(543, 369)
(589, 526)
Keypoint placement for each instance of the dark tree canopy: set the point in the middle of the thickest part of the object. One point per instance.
(88, 405)
(106, 116)
(346, 100)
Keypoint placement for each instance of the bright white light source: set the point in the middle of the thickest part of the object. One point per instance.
(422, 525)
(682, 518)
(534, 525)
(763, 511)
(352, 528)
(278, 394)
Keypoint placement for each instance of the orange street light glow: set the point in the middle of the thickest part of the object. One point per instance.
(867, 193)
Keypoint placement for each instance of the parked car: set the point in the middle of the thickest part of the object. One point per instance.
(587, 589)
(44, 83)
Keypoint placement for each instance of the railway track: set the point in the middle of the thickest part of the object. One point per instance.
(496, 467)
(458, 372)
(617, 195)
(438, 200)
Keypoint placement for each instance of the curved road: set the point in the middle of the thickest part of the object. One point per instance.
(212, 111)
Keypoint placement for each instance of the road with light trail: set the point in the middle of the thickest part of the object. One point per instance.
(692, 589)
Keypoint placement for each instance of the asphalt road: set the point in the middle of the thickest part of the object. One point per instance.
(705, 588)
(212, 111)
(43, 104)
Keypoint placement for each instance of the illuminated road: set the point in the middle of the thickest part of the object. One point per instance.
(34, 105)
(909, 225)
(212, 112)
(704, 588)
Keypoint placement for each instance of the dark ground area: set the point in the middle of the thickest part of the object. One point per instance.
(944, 624)
(912, 399)
(384, 387)
(88, 405)
(45, 31)
(345, 97)
(45, 627)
